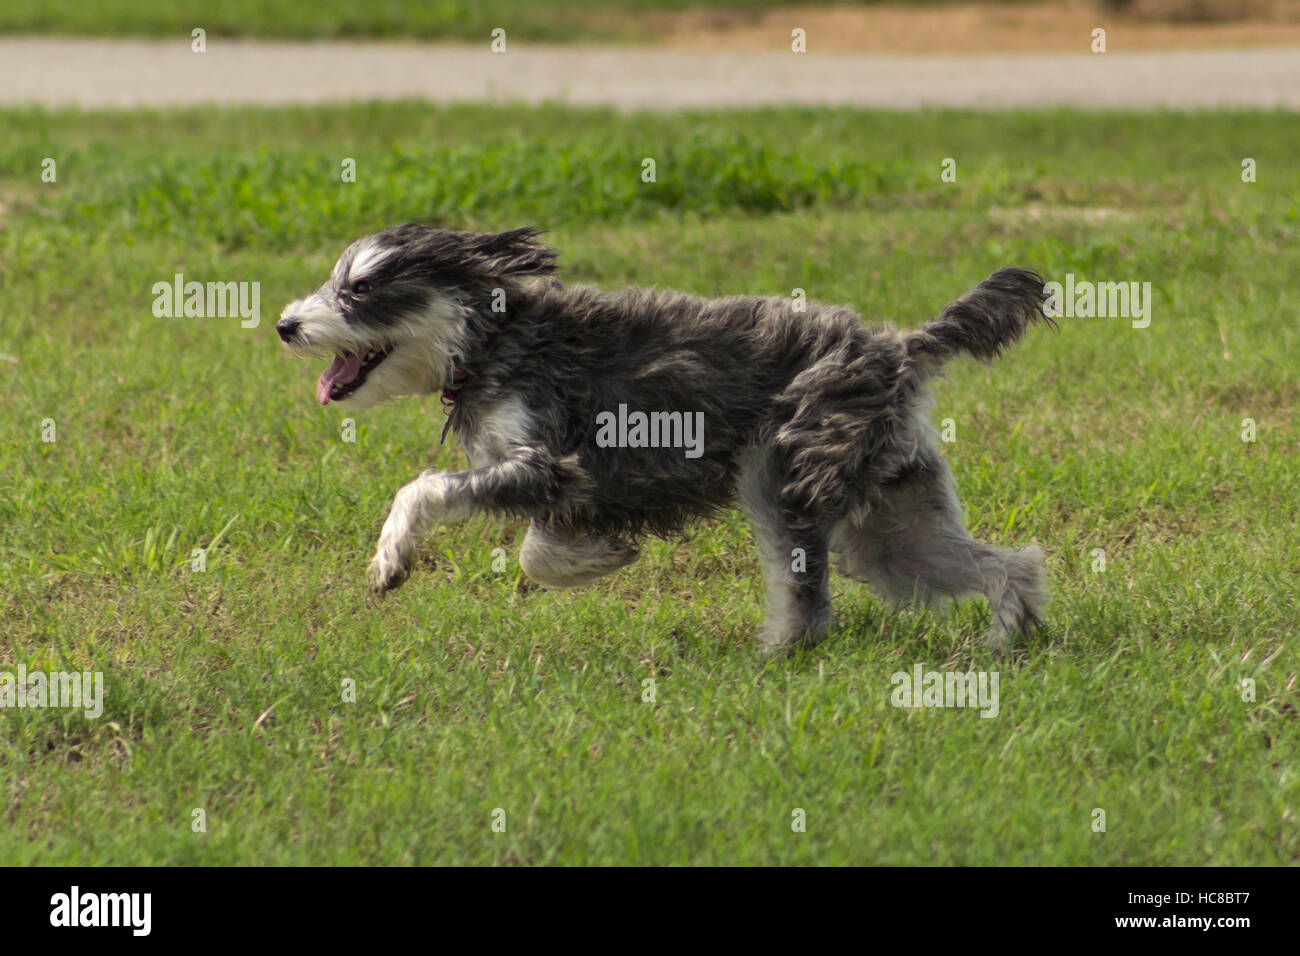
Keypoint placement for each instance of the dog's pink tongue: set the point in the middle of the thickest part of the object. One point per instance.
(344, 369)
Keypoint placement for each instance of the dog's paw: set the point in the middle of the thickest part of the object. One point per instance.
(776, 645)
(388, 570)
(998, 642)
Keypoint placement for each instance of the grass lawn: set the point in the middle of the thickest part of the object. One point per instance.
(558, 21)
(476, 691)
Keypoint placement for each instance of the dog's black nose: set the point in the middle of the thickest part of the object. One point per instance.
(287, 328)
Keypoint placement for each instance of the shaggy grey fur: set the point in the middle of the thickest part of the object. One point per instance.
(814, 424)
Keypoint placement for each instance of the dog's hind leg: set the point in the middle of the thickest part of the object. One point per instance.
(556, 560)
(913, 546)
(1016, 590)
(794, 556)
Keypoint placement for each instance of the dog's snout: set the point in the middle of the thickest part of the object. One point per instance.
(287, 328)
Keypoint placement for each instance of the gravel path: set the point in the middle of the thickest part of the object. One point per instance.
(130, 73)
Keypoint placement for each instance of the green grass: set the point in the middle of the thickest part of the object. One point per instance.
(552, 21)
(476, 691)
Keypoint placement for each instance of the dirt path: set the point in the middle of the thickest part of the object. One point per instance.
(1045, 26)
(130, 73)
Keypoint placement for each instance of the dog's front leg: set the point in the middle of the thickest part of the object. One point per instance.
(530, 482)
(415, 508)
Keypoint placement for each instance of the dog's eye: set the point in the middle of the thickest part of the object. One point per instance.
(361, 288)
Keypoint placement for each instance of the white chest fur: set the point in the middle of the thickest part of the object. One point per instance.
(493, 436)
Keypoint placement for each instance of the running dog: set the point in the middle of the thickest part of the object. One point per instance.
(605, 416)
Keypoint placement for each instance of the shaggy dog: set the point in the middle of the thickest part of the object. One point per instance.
(604, 416)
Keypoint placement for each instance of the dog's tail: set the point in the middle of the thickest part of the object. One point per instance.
(985, 321)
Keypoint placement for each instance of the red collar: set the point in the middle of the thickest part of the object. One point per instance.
(460, 375)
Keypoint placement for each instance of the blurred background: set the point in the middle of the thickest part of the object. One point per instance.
(895, 26)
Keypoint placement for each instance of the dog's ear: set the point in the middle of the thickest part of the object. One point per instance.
(517, 252)
(446, 255)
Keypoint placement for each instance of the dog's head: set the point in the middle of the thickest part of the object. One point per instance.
(398, 310)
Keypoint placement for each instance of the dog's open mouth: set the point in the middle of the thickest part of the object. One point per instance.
(347, 373)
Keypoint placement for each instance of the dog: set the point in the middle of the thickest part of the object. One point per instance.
(812, 423)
